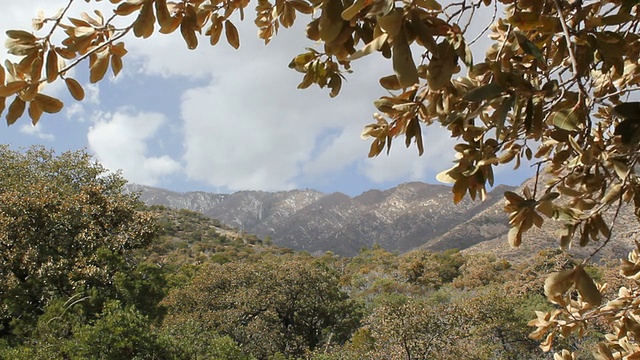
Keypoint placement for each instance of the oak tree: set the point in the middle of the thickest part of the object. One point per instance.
(553, 87)
(66, 229)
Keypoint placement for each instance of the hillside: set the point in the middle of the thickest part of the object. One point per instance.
(398, 219)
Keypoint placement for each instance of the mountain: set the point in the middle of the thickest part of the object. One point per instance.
(399, 219)
(411, 215)
(487, 231)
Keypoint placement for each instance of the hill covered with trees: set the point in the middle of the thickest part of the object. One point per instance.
(88, 272)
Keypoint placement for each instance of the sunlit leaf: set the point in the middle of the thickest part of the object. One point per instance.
(16, 109)
(231, 32)
(586, 287)
(76, 90)
(403, 64)
(557, 284)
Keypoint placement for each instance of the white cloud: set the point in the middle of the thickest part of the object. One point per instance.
(119, 141)
(244, 124)
(404, 163)
(36, 131)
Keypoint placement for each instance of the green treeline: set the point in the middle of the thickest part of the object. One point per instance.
(87, 272)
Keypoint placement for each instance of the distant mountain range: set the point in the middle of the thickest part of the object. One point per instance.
(411, 215)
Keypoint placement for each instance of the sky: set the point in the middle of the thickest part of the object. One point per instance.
(223, 120)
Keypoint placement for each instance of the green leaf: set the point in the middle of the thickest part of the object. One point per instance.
(500, 115)
(530, 48)
(485, 92)
(565, 119)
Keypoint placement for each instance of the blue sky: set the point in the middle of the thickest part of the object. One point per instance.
(222, 120)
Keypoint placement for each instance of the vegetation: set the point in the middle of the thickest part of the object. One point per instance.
(552, 87)
(107, 278)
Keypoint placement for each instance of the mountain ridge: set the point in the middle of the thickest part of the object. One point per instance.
(409, 216)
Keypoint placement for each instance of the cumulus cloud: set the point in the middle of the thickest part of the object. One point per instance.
(120, 142)
(404, 163)
(241, 120)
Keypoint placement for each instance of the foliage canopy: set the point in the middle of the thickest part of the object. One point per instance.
(552, 87)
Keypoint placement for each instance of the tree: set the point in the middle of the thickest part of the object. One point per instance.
(66, 229)
(551, 88)
(284, 305)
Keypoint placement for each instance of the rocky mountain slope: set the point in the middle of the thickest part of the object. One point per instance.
(486, 232)
(399, 219)
(408, 216)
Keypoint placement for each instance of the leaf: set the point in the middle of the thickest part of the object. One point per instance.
(586, 287)
(166, 22)
(557, 284)
(189, 34)
(12, 88)
(515, 236)
(35, 112)
(445, 176)
(530, 48)
(390, 82)
(52, 65)
(128, 7)
(331, 22)
(21, 35)
(144, 24)
(116, 65)
(353, 10)
(99, 65)
(403, 64)
(612, 194)
(76, 90)
(301, 6)
(335, 83)
(628, 110)
(513, 198)
(231, 32)
(392, 22)
(49, 104)
(565, 119)
(500, 115)
(215, 30)
(485, 92)
(424, 33)
(442, 66)
(16, 109)
(414, 130)
(374, 45)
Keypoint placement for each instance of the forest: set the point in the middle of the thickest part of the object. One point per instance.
(89, 272)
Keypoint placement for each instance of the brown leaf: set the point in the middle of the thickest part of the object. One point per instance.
(99, 65)
(12, 88)
(16, 109)
(74, 87)
(302, 6)
(557, 284)
(215, 30)
(52, 65)
(49, 104)
(390, 82)
(586, 287)
(21, 35)
(231, 32)
(116, 65)
(128, 7)
(330, 23)
(403, 64)
(143, 26)
(35, 112)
